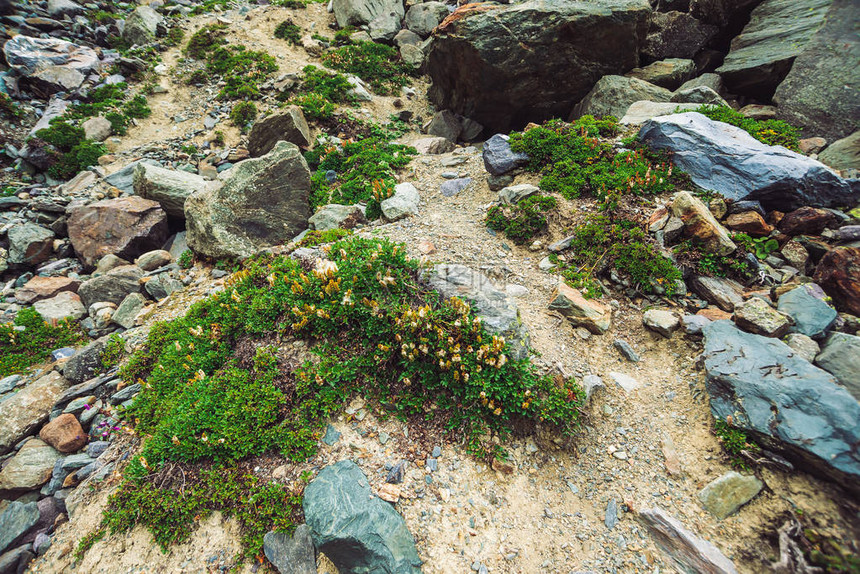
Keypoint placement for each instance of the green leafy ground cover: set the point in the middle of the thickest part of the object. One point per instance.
(20, 349)
(375, 330)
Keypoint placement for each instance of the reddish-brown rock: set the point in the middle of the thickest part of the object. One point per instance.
(39, 288)
(749, 222)
(714, 314)
(64, 433)
(838, 273)
(806, 221)
(125, 227)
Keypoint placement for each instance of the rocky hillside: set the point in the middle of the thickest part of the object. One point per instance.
(376, 286)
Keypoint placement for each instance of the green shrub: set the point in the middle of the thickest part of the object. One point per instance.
(377, 64)
(770, 132)
(20, 349)
(8, 108)
(175, 36)
(334, 87)
(574, 161)
(313, 237)
(314, 106)
(197, 77)
(523, 221)
(364, 168)
(606, 242)
(205, 40)
(243, 113)
(377, 332)
(288, 31)
(186, 259)
(112, 353)
(735, 442)
(241, 69)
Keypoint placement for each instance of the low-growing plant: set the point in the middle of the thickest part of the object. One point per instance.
(523, 221)
(218, 140)
(75, 151)
(770, 132)
(197, 77)
(112, 353)
(288, 31)
(705, 262)
(186, 259)
(735, 442)
(377, 64)
(8, 108)
(362, 167)
(175, 36)
(243, 113)
(313, 237)
(23, 347)
(761, 247)
(205, 40)
(375, 331)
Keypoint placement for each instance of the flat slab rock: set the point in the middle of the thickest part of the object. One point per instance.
(788, 404)
(726, 159)
(690, 553)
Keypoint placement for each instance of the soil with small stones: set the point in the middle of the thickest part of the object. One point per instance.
(546, 516)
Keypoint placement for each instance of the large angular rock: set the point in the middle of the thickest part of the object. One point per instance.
(263, 202)
(423, 18)
(844, 153)
(728, 160)
(811, 315)
(125, 227)
(112, 287)
(15, 521)
(291, 554)
(581, 312)
(821, 93)
(30, 468)
(504, 66)
(669, 73)
(640, 112)
(334, 215)
(358, 12)
(355, 530)
(127, 311)
(66, 305)
(55, 79)
(83, 365)
(840, 357)
(701, 225)
(26, 410)
(40, 287)
(170, 188)
(838, 273)
(761, 56)
(498, 157)
(64, 433)
(402, 204)
(676, 35)
(722, 292)
(30, 55)
(612, 95)
(287, 124)
(786, 403)
(30, 244)
(123, 179)
(141, 26)
(725, 495)
(691, 554)
(60, 8)
(498, 313)
(757, 316)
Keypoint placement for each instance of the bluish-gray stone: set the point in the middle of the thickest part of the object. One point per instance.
(840, 357)
(498, 157)
(786, 403)
(331, 435)
(812, 316)
(15, 521)
(727, 159)
(291, 554)
(358, 532)
(454, 186)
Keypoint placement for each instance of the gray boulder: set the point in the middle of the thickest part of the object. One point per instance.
(358, 532)
(713, 81)
(65, 305)
(30, 468)
(15, 521)
(640, 112)
(811, 315)
(445, 124)
(262, 202)
(728, 160)
(403, 203)
(506, 65)
(676, 35)
(516, 193)
(841, 358)
(612, 95)
(30, 244)
(161, 286)
(60, 8)
(170, 188)
(23, 413)
(698, 95)
(287, 124)
(127, 311)
(30, 55)
(358, 12)
(761, 56)
(844, 153)
(498, 157)
(786, 403)
(423, 18)
(821, 93)
(141, 26)
(291, 554)
(112, 287)
(123, 179)
(498, 313)
(333, 216)
(97, 129)
(82, 366)
(384, 27)
(669, 73)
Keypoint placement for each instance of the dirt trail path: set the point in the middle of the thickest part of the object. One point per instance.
(549, 515)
